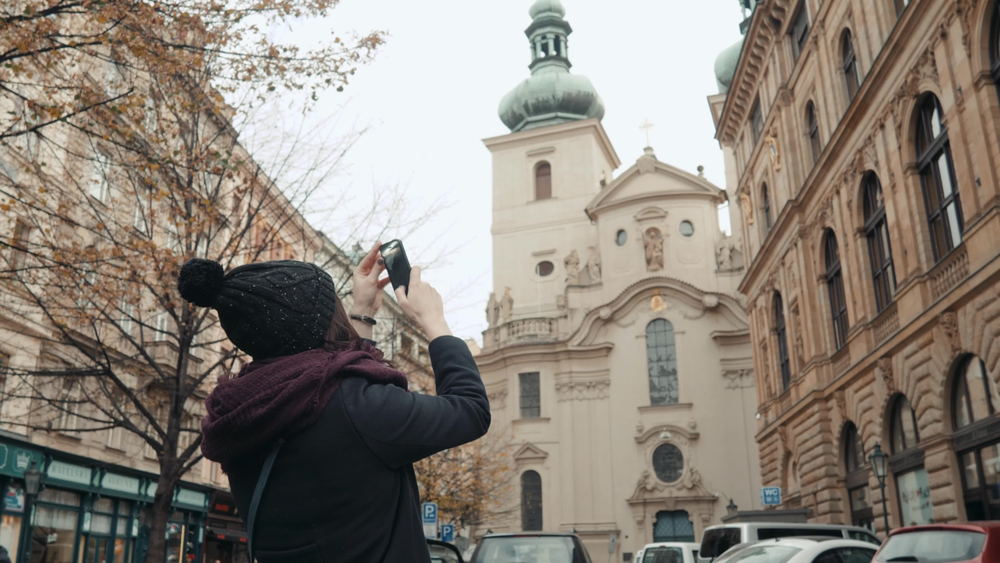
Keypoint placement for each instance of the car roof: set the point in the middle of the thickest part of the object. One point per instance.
(967, 526)
(672, 544)
(807, 545)
(531, 535)
(759, 525)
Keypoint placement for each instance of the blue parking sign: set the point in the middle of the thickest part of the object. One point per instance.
(430, 512)
(448, 533)
(770, 496)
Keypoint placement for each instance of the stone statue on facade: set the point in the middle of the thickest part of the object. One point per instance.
(492, 310)
(506, 306)
(653, 241)
(724, 255)
(594, 265)
(561, 303)
(572, 263)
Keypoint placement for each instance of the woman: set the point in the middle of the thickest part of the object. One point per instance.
(342, 488)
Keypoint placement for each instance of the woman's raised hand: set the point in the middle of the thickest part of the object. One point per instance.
(423, 303)
(367, 290)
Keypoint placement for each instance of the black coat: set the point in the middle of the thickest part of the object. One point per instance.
(343, 490)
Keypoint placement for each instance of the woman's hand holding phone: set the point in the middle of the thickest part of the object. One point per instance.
(423, 304)
(367, 290)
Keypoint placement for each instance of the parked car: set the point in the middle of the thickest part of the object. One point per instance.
(669, 552)
(530, 547)
(815, 549)
(976, 542)
(442, 552)
(718, 539)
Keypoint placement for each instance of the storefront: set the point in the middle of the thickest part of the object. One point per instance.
(225, 535)
(90, 512)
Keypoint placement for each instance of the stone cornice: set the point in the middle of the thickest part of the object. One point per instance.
(494, 143)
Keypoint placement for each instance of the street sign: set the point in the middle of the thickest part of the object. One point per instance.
(770, 496)
(429, 513)
(448, 533)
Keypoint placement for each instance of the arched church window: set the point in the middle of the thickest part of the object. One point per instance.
(661, 362)
(851, 73)
(780, 332)
(879, 249)
(668, 463)
(937, 179)
(912, 488)
(857, 477)
(543, 181)
(835, 290)
(531, 501)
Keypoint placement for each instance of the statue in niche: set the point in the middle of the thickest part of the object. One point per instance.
(492, 310)
(506, 306)
(561, 303)
(653, 241)
(724, 254)
(572, 263)
(594, 265)
(747, 207)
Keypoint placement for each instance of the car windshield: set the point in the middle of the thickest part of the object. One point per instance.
(530, 549)
(716, 542)
(933, 546)
(763, 554)
(663, 554)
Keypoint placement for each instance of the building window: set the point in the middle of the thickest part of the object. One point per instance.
(756, 121)
(879, 249)
(531, 401)
(621, 238)
(19, 244)
(687, 229)
(673, 526)
(544, 269)
(765, 204)
(835, 289)
(995, 46)
(913, 491)
(857, 478)
(160, 330)
(813, 123)
(851, 73)
(661, 362)
(98, 186)
(976, 442)
(780, 332)
(799, 31)
(543, 181)
(668, 463)
(937, 179)
(900, 6)
(531, 501)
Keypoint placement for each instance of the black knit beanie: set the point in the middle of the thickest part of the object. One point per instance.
(269, 309)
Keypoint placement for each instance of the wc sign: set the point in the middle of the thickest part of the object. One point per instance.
(429, 513)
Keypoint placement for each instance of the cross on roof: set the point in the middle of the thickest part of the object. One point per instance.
(646, 126)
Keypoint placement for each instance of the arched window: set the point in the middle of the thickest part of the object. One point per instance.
(543, 181)
(765, 203)
(912, 488)
(779, 329)
(937, 179)
(975, 439)
(995, 45)
(851, 73)
(857, 477)
(531, 501)
(879, 249)
(813, 124)
(835, 288)
(661, 361)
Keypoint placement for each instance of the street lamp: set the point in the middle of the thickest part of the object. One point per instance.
(32, 483)
(731, 508)
(880, 463)
(32, 479)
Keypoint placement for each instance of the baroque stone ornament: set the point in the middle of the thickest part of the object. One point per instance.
(841, 397)
(949, 326)
(492, 310)
(582, 390)
(594, 265)
(775, 154)
(747, 207)
(653, 241)
(572, 263)
(506, 306)
(885, 369)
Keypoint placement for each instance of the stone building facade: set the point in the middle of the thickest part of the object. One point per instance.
(618, 354)
(862, 141)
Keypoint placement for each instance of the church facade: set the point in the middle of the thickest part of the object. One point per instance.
(617, 357)
(861, 139)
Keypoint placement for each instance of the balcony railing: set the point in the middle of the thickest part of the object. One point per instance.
(950, 271)
(521, 331)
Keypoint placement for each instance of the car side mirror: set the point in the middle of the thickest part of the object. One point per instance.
(438, 546)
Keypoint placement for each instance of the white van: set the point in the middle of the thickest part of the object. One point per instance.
(669, 552)
(717, 539)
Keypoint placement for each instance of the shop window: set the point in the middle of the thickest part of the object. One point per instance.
(531, 400)
(673, 526)
(835, 289)
(975, 398)
(912, 489)
(668, 463)
(543, 181)
(661, 363)
(812, 124)
(879, 248)
(852, 75)
(782, 335)
(858, 494)
(937, 179)
(531, 501)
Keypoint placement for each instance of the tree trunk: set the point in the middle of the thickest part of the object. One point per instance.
(161, 514)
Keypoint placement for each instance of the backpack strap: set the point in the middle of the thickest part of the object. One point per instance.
(258, 491)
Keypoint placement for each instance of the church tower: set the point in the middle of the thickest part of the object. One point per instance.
(554, 161)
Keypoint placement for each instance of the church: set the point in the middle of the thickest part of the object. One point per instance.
(618, 356)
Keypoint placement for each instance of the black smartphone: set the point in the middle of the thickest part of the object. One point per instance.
(396, 264)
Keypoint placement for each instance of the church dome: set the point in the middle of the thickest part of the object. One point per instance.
(552, 94)
(725, 66)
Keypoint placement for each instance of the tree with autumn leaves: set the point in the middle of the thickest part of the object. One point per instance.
(122, 156)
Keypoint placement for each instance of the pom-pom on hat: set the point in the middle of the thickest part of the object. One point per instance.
(269, 309)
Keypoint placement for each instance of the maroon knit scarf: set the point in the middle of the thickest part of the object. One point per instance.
(279, 397)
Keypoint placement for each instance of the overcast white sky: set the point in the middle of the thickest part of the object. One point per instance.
(433, 92)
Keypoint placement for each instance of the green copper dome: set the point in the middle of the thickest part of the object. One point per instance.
(552, 94)
(725, 66)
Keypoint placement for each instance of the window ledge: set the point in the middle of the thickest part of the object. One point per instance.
(520, 421)
(666, 408)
